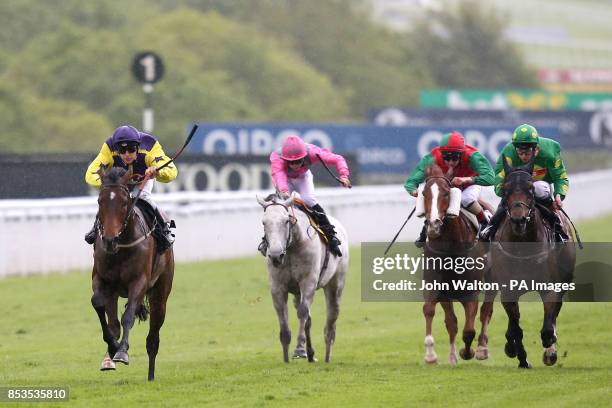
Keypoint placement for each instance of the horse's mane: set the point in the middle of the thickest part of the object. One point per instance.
(519, 176)
(272, 197)
(114, 175)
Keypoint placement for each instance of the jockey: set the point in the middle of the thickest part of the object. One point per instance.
(129, 148)
(291, 172)
(547, 168)
(469, 171)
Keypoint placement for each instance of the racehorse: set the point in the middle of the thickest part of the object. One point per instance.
(299, 263)
(524, 249)
(451, 236)
(126, 264)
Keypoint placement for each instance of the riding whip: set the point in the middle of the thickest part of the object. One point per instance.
(330, 172)
(176, 156)
(574, 227)
(400, 230)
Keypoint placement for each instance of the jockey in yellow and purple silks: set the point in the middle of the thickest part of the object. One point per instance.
(128, 148)
(291, 172)
(469, 170)
(548, 168)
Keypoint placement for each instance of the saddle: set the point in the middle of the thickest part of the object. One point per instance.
(152, 223)
(311, 217)
(314, 224)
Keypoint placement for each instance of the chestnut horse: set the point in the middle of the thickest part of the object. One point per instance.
(524, 249)
(451, 237)
(127, 264)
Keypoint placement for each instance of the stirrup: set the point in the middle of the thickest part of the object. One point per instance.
(485, 233)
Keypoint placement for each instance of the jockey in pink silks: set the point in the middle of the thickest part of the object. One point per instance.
(291, 172)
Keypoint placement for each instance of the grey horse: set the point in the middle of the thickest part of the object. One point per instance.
(296, 265)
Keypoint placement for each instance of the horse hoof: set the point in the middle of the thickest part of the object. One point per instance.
(524, 365)
(466, 354)
(482, 353)
(431, 358)
(121, 357)
(549, 359)
(510, 350)
(300, 354)
(452, 360)
(311, 358)
(107, 363)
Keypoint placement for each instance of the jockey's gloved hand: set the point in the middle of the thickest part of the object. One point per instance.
(345, 182)
(284, 194)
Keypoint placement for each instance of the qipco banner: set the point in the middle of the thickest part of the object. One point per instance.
(380, 150)
(571, 128)
(63, 175)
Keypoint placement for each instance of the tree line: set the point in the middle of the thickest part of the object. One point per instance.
(65, 80)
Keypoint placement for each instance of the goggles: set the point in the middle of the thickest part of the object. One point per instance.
(127, 149)
(297, 162)
(448, 156)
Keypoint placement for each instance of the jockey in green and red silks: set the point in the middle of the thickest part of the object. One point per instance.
(466, 168)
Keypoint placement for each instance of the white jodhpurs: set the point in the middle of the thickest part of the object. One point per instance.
(305, 186)
(470, 194)
(146, 193)
(542, 189)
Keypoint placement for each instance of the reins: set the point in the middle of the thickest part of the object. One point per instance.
(292, 221)
(146, 231)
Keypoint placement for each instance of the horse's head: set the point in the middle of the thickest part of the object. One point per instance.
(278, 221)
(519, 195)
(114, 203)
(436, 195)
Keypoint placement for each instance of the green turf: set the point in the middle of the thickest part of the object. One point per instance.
(220, 347)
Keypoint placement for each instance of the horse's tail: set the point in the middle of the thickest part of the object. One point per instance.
(142, 311)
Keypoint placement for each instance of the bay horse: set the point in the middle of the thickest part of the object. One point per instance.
(300, 263)
(452, 236)
(524, 248)
(127, 264)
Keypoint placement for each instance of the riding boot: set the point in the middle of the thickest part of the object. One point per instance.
(165, 235)
(420, 242)
(330, 233)
(488, 232)
(263, 246)
(483, 216)
(90, 237)
(553, 219)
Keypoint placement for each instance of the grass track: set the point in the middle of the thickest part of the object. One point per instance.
(220, 347)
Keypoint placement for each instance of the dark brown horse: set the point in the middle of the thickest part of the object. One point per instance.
(126, 264)
(451, 237)
(524, 250)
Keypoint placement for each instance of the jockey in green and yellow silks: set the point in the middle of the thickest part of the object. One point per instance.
(467, 168)
(548, 168)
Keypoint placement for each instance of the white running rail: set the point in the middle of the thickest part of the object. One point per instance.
(46, 235)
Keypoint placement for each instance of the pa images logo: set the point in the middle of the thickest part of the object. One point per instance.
(601, 128)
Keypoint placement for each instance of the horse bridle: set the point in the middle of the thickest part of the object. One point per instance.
(127, 217)
(292, 220)
(442, 178)
(519, 203)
